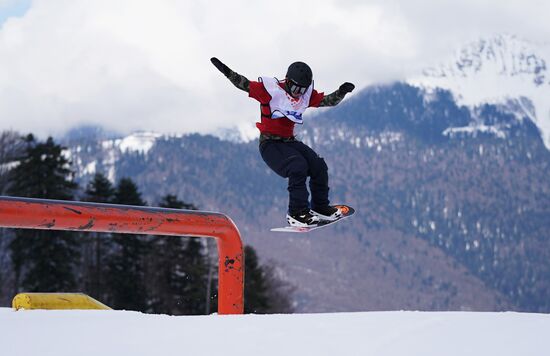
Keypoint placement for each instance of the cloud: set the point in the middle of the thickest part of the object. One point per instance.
(142, 65)
(7, 3)
(12, 8)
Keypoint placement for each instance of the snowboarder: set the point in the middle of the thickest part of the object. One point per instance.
(282, 103)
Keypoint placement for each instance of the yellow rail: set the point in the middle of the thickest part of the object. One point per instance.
(56, 301)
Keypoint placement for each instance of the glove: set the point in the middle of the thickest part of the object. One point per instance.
(346, 88)
(221, 67)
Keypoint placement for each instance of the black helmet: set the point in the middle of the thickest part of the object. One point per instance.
(299, 77)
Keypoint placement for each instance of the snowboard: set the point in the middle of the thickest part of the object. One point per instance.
(347, 211)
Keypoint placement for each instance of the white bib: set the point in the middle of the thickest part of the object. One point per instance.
(283, 104)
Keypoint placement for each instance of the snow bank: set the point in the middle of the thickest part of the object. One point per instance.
(102, 333)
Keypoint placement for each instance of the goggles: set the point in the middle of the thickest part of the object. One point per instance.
(295, 88)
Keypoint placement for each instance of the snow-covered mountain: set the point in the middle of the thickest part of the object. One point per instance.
(102, 156)
(429, 178)
(444, 221)
(503, 70)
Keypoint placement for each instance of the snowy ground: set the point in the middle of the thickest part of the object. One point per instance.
(103, 333)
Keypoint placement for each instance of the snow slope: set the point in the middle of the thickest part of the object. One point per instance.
(137, 142)
(503, 69)
(103, 333)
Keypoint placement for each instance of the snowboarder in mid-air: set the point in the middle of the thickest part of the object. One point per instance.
(282, 103)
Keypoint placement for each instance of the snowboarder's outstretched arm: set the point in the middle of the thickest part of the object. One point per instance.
(238, 80)
(336, 97)
(243, 83)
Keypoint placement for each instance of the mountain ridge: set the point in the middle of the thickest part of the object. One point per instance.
(503, 70)
(452, 196)
(442, 222)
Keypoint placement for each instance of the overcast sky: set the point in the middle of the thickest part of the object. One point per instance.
(144, 65)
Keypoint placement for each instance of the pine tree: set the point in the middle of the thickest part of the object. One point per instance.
(172, 201)
(99, 190)
(43, 260)
(126, 277)
(12, 146)
(196, 278)
(180, 268)
(264, 292)
(255, 285)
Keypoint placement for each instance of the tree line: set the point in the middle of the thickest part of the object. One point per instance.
(154, 274)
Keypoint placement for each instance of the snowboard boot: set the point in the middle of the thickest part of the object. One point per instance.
(328, 213)
(303, 218)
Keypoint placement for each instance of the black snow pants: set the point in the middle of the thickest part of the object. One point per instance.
(296, 161)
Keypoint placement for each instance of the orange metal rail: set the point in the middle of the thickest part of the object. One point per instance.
(79, 216)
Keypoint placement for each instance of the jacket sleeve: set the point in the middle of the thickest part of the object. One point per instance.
(333, 98)
(239, 81)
